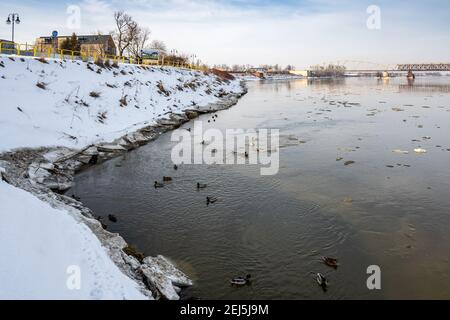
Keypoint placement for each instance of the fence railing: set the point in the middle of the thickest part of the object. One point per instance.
(87, 56)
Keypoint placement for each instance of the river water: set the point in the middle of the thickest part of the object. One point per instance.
(389, 209)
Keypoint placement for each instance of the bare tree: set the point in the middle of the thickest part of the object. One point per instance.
(289, 68)
(126, 30)
(159, 46)
(139, 41)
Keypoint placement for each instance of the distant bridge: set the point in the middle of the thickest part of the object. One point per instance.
(424, 67)
(353, 66)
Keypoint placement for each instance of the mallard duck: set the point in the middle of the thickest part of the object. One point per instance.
(167, 179)
(322, 281)
(201, 185)
(211, 200)
(241, 281)
(175, 167)
(331, 262)
(158, 185)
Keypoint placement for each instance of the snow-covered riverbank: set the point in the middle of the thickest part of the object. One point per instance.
(56, 117)
(74, 104)
(42, 249)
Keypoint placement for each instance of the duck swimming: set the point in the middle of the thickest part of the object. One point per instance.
(175, 167)
(201, 185)
(211, 200)
(331, 262)
(167, 179)
(241, 281)
(158, 185)
(322, 281)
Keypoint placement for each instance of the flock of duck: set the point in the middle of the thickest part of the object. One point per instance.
(209, 199)
(241, 281)
(321, 280)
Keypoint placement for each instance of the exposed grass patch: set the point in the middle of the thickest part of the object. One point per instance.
(94, 94)
(222, 74)
(100, 63)
(42, 60)
(123, 101)
(221, 94)
(102, 116)
(41, 85)
(162, 90)
(132, 251)
(191, 85)
(81, 102)
(89, 66)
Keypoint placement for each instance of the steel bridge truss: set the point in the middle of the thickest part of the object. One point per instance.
(424, 67)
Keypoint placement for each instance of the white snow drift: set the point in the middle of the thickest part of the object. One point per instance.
(44, 248)
(73, 104)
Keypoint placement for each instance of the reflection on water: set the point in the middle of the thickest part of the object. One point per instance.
(424, 87)
(387, 208)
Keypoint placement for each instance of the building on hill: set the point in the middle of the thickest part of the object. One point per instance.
(89, 44)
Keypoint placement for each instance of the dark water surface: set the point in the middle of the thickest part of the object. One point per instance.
(387, 209)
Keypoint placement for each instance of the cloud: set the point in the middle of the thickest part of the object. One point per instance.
(298, 32)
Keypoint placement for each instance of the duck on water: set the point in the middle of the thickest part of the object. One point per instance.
(241, 281)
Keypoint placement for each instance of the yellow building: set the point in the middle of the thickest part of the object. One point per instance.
(90, 44)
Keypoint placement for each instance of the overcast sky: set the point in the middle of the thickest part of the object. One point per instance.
(298, 32)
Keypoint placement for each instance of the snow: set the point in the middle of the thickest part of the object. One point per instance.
(40, 243)
(165, 276)
(65, 113)
(42, 246)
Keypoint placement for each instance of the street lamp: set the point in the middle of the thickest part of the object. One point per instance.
(13, 18)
